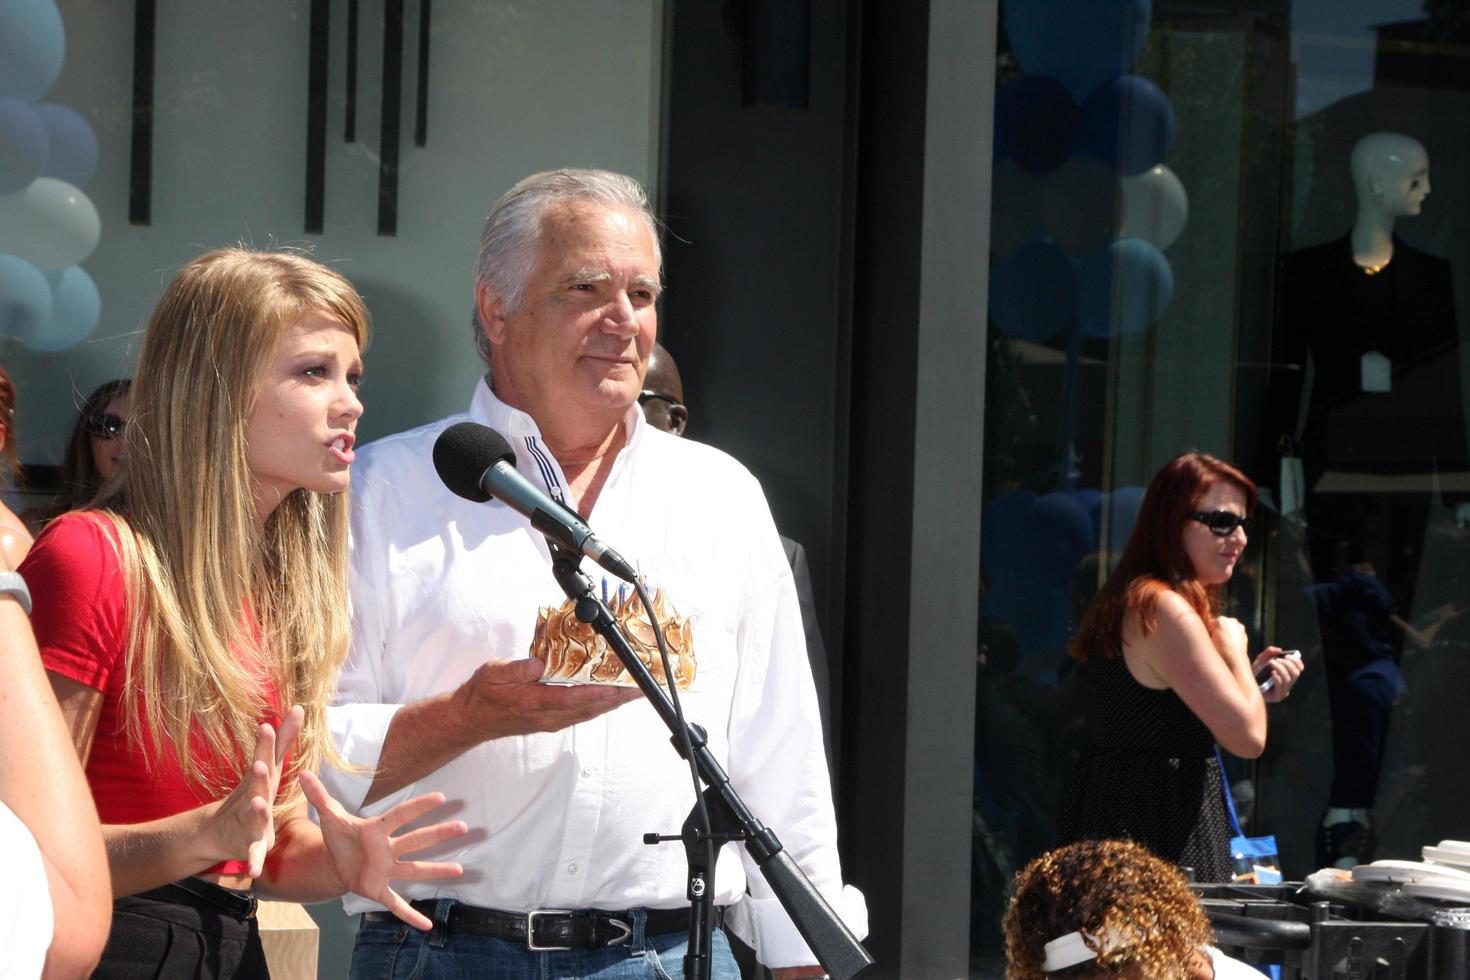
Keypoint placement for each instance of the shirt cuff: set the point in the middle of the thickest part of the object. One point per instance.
(763, 924)
(358, 730)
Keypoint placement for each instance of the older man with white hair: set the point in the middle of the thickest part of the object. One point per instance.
(457, 615)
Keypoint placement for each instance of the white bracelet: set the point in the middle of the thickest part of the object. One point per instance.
(11, 583)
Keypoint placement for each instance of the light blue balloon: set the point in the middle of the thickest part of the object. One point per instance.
(73, 155)
(25, 299)
(1123, 289)
(76, 308)
(24, 145)
(32, 47)
(1081, 43)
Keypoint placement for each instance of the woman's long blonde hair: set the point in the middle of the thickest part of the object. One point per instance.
(216, 605)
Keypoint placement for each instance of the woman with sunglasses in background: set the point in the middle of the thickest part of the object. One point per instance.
(1165, 677)
(15, 537)
(95, 451)
(193, 619)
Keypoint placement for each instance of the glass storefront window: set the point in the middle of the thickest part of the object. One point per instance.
(1237, 228)
(496, 90)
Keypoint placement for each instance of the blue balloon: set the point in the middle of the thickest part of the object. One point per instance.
(76, 307)
(24, 145)
(1003, 530)
(1123, 289)
(73, 145)
(1083, 43)
(1129, 124)
(1033, 292)
(1058, 536)
(32, 47)
(25, 299)
(1124, 504)
(1036, 119)
(1091, 502)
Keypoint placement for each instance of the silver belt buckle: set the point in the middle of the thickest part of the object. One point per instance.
(531, 930)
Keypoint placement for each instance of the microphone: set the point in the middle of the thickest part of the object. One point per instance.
(477, 463)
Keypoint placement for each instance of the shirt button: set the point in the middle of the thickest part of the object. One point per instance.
(586, 772)
(572, 868)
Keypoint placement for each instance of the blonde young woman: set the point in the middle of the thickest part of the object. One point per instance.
(192, 623)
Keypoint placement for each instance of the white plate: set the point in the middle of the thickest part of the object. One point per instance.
(1445, 855)
(1447, 891)
(1458, 846)
(1405, 871)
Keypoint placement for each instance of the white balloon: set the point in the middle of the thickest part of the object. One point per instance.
(50, 224)
(1015, 208)
(1155, 207)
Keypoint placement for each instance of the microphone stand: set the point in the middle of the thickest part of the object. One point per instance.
(836, 948)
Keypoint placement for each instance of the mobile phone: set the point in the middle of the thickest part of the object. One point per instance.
(1263, 676)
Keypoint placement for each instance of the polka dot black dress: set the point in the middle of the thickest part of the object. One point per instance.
(1148, 774)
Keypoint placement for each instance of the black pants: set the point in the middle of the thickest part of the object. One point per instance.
(183, 931)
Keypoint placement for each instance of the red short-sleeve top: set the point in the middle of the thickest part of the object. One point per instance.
(80, 618)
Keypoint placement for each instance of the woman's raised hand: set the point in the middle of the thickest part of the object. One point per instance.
(242, 825)
(366, 856)
(1284, 672)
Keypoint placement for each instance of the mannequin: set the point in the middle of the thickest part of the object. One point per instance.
(1391, 176)
(1369, 332)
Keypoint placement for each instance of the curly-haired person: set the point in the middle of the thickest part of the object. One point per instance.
(1109, 909)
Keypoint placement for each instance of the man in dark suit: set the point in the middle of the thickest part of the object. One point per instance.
(662, 399)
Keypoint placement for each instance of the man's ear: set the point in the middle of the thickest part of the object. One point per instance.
(489, 308)
(678, 418)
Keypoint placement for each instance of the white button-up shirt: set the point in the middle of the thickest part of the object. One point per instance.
(441, 584)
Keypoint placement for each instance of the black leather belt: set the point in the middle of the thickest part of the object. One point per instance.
(551, 929)
(198, 893)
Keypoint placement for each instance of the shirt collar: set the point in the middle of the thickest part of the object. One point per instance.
(516, 425)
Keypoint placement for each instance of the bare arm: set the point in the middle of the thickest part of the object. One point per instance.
(42, 782)
(146, 855)
(1211, 674)
(501, 698)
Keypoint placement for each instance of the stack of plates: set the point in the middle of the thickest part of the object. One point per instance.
(1404, 872)
(1450, 856)
(1455, 853)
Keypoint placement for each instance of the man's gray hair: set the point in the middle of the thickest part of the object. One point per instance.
(508, 242)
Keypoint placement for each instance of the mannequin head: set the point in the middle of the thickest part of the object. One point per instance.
(1390, 174)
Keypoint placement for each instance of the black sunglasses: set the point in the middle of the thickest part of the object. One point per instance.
(1222, 523)
(647, 393)
(105, 425)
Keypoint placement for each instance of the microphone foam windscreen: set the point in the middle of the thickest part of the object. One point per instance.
(462, 454)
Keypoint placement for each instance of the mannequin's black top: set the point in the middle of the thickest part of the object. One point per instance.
(1337, 312)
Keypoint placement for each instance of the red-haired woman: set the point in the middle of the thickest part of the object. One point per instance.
(1166, 678)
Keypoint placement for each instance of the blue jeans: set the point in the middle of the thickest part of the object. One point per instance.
(395, 951)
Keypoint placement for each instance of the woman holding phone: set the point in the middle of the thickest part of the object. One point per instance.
(1166, 677)
(192, 622)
